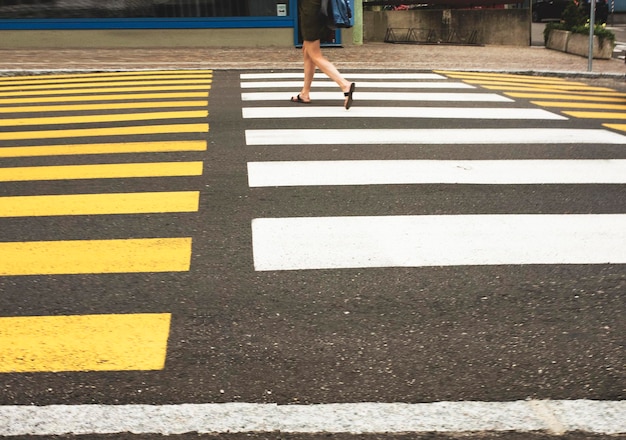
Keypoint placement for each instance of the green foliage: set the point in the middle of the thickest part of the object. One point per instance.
(574, 19)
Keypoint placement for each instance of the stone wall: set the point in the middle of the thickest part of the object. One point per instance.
(509, 27)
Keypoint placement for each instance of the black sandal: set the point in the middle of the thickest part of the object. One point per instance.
(348, 95)
(299, 100)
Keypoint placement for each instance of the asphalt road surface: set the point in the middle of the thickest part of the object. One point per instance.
(455, 242)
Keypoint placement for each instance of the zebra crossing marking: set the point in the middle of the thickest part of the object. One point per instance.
(134, 97)
(99, 204)
(66, 257)
(400, 112)
(390, 172)
(115, 342)
(103, 148)
(98, 90)
(30, 344)
(383, 96)
(50, 87)
(105, 132)
(450, 136)
(102, 106)
(306, 243)
(350, 75)
(111, 117)
(102, 171)
(115, 74)
(362, 84)
(412, 241)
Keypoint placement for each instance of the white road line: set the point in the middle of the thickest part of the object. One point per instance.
(389, 172)
(297, 85)
(437, 240)
(300, 75)
(597, 417)
(504, 136)
(382, 96)
(309, 111)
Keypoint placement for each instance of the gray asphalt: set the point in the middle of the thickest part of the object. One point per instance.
(488, 333)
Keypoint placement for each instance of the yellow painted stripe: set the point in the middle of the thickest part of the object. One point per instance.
(101, 171)
(545, 90)
(112, 117)
(512, 78)
(111, 79)
(111, 148)
(566, 104)
(95, 256)
(567, 87)
(110, 131)
(181, 73)
(578, 97)
(102, 106)
(620, 127)
(84, 343)
(596, 115)
(133, 97)
(95, 84)
(107, 90)
(131, 73)
(99, 204)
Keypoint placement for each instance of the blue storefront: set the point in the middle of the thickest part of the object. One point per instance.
(260, 22)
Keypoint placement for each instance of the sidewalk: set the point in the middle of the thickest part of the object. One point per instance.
(372, 56)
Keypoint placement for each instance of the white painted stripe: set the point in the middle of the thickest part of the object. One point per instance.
(300, 75)
(437, 240)
(389, 172)
(598, 417)
(382, 96)
(309, 111)
(461, 136)
(360, 85)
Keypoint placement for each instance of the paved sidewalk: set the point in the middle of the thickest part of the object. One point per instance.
(373, 56)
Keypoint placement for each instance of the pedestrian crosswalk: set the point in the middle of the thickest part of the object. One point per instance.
(555, 93)
(90, 127)
(309, 242)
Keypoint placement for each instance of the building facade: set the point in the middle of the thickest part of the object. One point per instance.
(149, 23)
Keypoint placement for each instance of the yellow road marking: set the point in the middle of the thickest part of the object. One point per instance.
(110, 79)
(578, 97)
(180, 73)
(110, 131)
(620, 127)
(101, 171)
(112, 117)
(110, 148)
(554, 91)
(511, 78)
(99, 204)
(102, 106)
(81, 85)
(132, 97)
(97, 91)
(95, 256)
(84, 343)
(566, 104)
(565, 87)
(596, 115)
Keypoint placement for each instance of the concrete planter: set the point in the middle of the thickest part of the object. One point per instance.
(578, 44)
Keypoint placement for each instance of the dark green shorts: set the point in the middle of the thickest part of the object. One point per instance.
(312, 22)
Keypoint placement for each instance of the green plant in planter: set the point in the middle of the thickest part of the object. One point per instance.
(575, 20)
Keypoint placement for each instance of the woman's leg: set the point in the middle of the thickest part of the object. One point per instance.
(313, 51)
(309, 72)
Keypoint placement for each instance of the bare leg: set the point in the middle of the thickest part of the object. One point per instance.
(309, 72)
(313, 58)
(313, 54)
